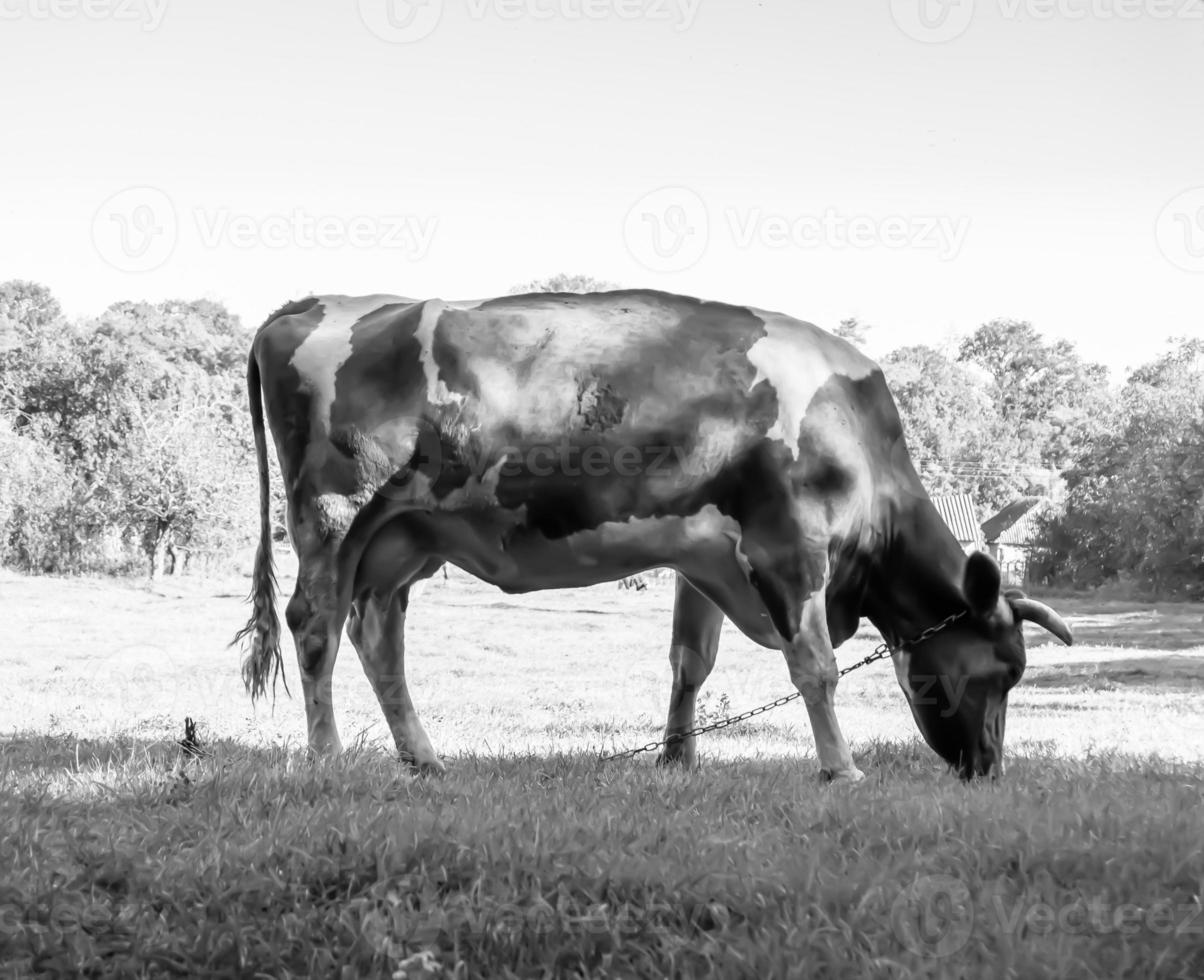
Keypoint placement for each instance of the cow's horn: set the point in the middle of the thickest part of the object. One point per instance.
(1043, 616)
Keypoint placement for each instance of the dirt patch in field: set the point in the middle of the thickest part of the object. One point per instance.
(1162, 626)
(1170, 672)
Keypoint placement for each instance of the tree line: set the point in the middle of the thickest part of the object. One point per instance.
(125, 444)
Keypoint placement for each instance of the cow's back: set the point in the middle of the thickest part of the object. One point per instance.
(351, 381)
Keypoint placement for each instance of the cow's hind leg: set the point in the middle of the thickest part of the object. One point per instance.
(317, 647)
(696, 625)
(377, 629)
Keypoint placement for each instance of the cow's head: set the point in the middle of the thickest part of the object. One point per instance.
(958, 679)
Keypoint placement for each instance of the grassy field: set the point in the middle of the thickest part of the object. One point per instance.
(531, 858)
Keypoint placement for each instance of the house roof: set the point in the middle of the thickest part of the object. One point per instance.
(958, 512)
(1017, 523)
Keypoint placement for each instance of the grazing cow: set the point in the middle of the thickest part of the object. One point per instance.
(557, 440)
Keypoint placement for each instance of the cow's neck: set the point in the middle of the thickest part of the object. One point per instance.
(917, 581)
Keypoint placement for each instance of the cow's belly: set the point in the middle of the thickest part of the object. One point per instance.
(491, 545)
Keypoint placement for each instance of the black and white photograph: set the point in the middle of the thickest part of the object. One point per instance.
(748, 453)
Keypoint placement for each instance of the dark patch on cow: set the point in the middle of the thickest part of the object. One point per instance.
(599, 406)
(294, 307)
(293, 410)
(453, 327)
(371, 464)
(385, 361)
(381, 384)
(756, 492)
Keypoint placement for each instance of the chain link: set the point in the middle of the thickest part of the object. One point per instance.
(881, 651)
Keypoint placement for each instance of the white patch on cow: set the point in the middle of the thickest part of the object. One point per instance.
(477, 492)
(736, 533)
(902, 661)
(716, 442)
(798, 359)
(437, 392)
(318, 359)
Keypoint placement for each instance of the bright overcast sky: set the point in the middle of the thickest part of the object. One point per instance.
(924, 168)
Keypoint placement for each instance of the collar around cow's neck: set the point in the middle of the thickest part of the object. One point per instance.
(931, 631)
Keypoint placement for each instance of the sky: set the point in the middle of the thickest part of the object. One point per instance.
(923, 165)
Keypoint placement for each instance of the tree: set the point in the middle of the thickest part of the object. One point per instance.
(182, 478)
(27, 307)
(563, 283)
(143, 411)
(30, 321)
(1044, 391)
(954, 434)
(35, 491)
(1135, 501)
(178, 335)
(853, 330)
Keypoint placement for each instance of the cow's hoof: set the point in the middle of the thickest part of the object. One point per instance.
(323, 753)
(845, 777)
(428, 767)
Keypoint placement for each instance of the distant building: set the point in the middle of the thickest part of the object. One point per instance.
(1011, 535)
(960, 515)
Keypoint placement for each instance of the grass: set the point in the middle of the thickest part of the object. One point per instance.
(531, 858)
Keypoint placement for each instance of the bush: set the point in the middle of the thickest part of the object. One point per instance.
(35, 503)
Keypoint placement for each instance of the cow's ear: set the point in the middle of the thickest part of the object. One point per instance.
(980, 584)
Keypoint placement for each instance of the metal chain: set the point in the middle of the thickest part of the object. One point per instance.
(881, 651)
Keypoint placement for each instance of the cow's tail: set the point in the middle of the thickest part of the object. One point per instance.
(261, 636)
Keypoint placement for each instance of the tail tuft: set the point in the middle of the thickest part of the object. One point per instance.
(262, 662)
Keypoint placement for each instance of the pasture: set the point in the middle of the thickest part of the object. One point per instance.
(531, 858)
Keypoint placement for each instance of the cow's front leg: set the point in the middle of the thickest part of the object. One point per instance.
(812, 664)
(696, 625)
(377, 630)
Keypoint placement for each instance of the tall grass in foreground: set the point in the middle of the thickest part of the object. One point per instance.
(115, 862)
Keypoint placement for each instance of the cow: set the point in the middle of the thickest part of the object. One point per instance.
(556, 440)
